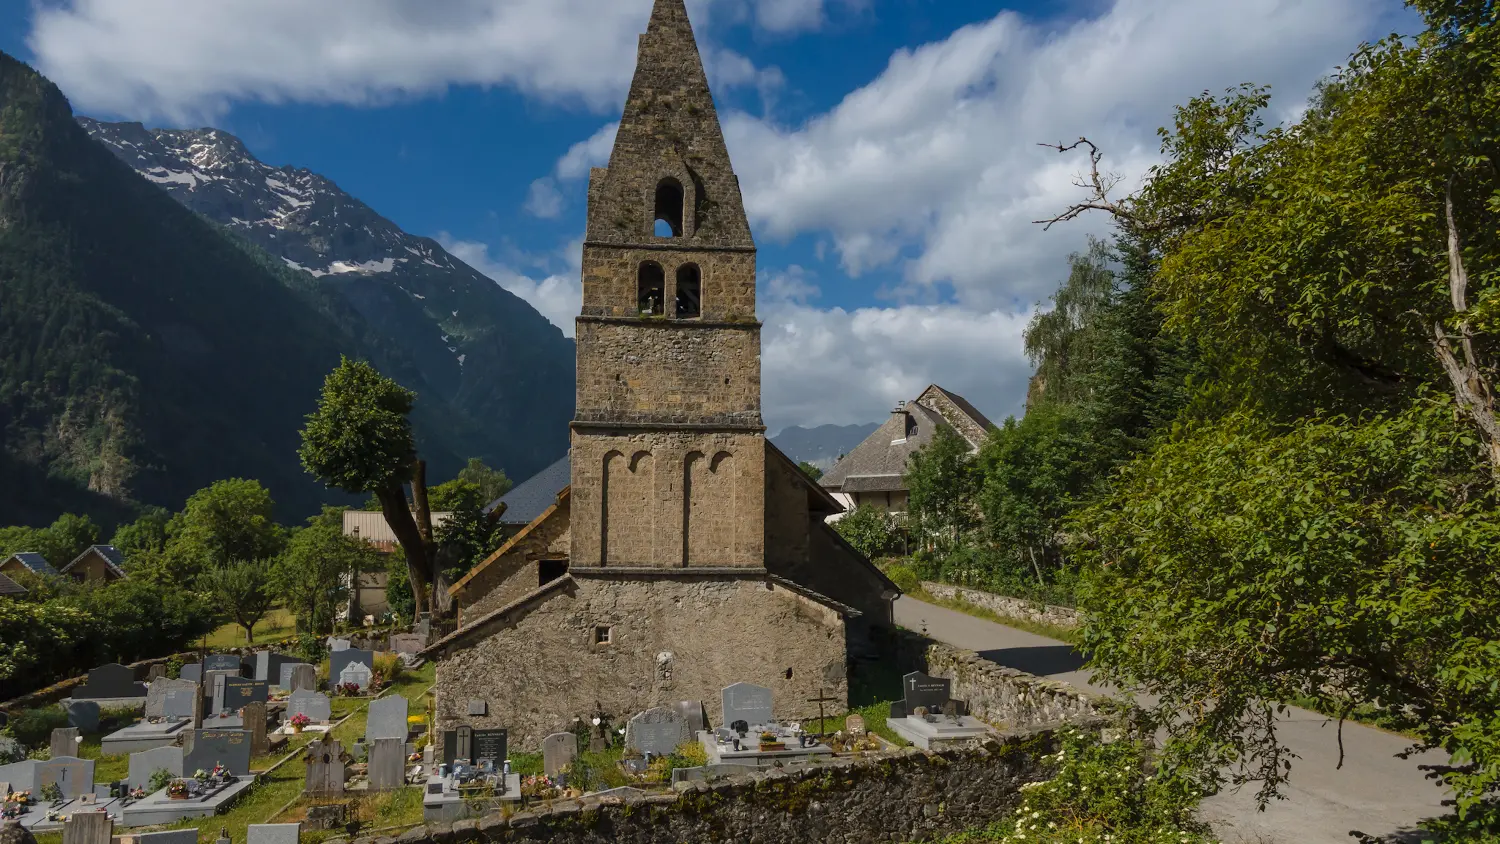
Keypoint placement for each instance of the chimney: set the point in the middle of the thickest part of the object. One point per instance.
(900, 412)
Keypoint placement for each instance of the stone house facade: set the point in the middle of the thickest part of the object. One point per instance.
(686, 553)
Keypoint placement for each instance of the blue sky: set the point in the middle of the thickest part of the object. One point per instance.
(887, 148)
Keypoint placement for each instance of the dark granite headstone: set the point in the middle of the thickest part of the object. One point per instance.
(490, 745)
(656, 731)
(268, 665)
(162, 690)
(230, 748)
(192, 671)
(749, 703)
(110, 681)
(223, 662)
(239, 691)
(339, 660)
(83, 714)
(923, 690)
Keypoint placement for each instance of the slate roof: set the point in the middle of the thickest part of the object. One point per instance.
(34, 562)
(534, 495)
(878, 463)
(111, 555)
(10, 587)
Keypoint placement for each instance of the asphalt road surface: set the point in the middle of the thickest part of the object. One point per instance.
(1374, 792)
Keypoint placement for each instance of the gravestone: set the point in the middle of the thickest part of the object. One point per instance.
(180, 705)
(355, 674)
(88, 828)
(558, 752)
(491, 746)
(656, 731)
(268, 666)
(192, 671)
(156, 672)
(386, 718)
(692, 712)
(325, 761)
(10, 749)
(336, 645)
(83, 714)
(287, 669)
(305, 678)
(923, 690)
(64, 742)
(273, 833)
(854, 725)
(747, 702)
(458, 744)
(254, 720)
(387, 769)
(315, 705)
(223, 662)
(339, 660)
(230, 748)
(160, 690)
(407, 643)
(147, 762)
(166, 836)
(235, 692)
(110, 681)
(73, 775)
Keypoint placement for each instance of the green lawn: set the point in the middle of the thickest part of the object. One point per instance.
(278, 624)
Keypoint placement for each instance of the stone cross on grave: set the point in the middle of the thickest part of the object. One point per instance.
(822, 698)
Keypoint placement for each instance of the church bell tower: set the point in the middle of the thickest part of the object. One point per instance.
(668, 447)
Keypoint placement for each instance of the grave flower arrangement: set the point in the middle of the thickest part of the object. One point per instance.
(540, 787)
(178, 790)
(219, 773)
(200, 775)
(52, 793)
(299, 722)
(348, 689)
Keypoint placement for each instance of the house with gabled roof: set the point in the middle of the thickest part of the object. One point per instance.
(872, 474)
(98, 563)
(27, 561)
(10, 588)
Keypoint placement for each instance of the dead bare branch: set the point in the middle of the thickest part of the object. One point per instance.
(1471, 386)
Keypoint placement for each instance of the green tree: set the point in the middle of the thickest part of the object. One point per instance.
(60, 542)
(398, 588)
(312, 576)
(872, 532)
(468, 536)
(359, 440)
(492, 483)
(941, 481)
(147, 534)
(810, 470)
(242, 588)
(228, 520)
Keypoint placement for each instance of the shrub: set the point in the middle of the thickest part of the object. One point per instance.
(389, 667)
(33, 727)
(159, 780)
(904, 576)
(871, 531)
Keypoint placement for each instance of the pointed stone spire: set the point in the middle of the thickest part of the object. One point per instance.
(669, 135)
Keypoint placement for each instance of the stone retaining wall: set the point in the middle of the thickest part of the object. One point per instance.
(1007, 698)
(1007, 606)
(909, 795)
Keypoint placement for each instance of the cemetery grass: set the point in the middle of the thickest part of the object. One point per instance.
(278, 624)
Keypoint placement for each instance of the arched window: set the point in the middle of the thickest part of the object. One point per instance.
(651, 284)
(689, 291)
(669, 208)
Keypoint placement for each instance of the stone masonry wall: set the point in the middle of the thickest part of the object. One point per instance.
(955, 416)
(634, 500)
(668, 372)
(515, 574)
(1001, 696)
(904, 796)
(1004, 605)
(611, 281)
(672, 637)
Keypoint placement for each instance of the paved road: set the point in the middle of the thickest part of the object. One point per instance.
(1374, 792)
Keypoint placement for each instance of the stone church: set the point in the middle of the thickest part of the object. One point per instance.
(687, 553)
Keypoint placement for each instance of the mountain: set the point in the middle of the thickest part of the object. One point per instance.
(146, 352)
(822, 446)
(479, 347)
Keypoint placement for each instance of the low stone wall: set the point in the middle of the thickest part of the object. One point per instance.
(1007, 606)
(908, 795)
(1007, 698)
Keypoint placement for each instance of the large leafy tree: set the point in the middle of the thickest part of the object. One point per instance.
(360, 440)
(60, 542)
(941, 481)
(229, 520)
(242, 589)
(310, 576)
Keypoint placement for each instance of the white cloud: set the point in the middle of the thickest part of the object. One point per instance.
(558, 297)
(544, 199)
(934, 166)
(594, 152)
(190, 60)
(839, 367)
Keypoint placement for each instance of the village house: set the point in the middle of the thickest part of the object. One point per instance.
(10, 588)
(872, 474)
(97, 564)
(686, 553)
(372, 527)
(27, 562)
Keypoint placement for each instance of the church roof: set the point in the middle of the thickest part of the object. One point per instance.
(557, 502)
(532, 497)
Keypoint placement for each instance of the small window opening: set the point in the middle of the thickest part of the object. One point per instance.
(669, 208)
(603, 634)
(550, 570)
(689, 291)
(789, 673)
(651, 285)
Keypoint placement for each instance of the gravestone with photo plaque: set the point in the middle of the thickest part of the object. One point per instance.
(490, 746)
